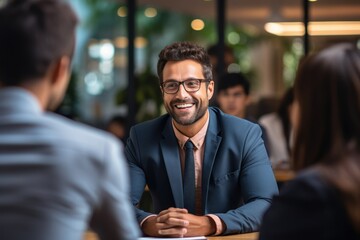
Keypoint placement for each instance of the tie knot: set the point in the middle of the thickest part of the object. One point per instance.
(189, 144)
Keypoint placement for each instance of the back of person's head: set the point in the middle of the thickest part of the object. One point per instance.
(181, 51)
(327, 89)
(34, 34)
(230, 80)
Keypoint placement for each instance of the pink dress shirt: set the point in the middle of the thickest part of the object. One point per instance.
(198, 141)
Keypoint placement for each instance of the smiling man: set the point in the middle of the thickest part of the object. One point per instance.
(208, 172)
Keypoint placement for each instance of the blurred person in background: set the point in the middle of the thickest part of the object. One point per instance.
(56, 176)
(117, 126)
(323, 201)
(233, 97)
(233, 94)
(229, 58)
(278, 127)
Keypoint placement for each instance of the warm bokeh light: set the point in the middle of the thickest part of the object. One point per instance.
(122, 42)
(122, 12)
(197, 24)
(140, 42)
(150, 12)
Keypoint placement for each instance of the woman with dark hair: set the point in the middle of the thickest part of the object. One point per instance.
(323, 201)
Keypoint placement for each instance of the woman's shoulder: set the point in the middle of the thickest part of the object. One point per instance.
(308, 182)
(307, 205)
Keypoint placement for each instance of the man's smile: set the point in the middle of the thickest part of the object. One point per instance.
(184, 105)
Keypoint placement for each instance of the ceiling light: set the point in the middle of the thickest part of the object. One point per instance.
(315, 28)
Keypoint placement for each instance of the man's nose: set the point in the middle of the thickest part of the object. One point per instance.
(182, 91)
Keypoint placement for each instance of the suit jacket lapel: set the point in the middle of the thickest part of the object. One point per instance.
(170, 152)
(212, 143)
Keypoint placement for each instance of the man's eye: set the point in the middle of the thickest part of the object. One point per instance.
(191, 83)
(171, 85)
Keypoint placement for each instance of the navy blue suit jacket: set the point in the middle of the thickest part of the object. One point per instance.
(237, 180)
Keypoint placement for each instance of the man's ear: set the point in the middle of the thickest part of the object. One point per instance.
(162, 91)
(210, 89)
(60, 71)
(58, 79)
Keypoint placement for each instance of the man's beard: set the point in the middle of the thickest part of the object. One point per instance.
(199, 113)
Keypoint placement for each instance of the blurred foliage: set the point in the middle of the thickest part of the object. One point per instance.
(99, 10)
(165, 28)
(293, 53)
(147, 92)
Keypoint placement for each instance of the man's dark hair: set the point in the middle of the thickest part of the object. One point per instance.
(230, 80)
(34, 34)
(180, 51)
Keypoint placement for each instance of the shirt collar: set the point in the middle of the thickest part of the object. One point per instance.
(17, 99)
(197, 140)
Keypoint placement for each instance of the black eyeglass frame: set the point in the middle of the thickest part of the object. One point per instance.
(200, 80)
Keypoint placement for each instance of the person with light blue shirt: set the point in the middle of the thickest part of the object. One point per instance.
(57, 177)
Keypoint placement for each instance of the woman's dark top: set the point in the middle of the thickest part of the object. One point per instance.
(307, 208)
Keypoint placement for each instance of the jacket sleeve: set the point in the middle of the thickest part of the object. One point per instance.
(137, 176)
(258, 186)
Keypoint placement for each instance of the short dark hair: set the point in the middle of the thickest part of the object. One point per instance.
(34, 34)
(180, 51)
(229, 80)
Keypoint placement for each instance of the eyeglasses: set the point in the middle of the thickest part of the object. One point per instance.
(191, 85)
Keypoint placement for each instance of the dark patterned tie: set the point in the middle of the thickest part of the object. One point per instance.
(189, 178)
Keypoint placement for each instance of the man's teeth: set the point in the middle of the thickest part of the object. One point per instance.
(183, 105)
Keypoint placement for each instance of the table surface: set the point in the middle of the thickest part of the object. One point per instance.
(280, 175)
(246, 236)
(283, 175)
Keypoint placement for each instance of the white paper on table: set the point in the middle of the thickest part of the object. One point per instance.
(184, 238)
